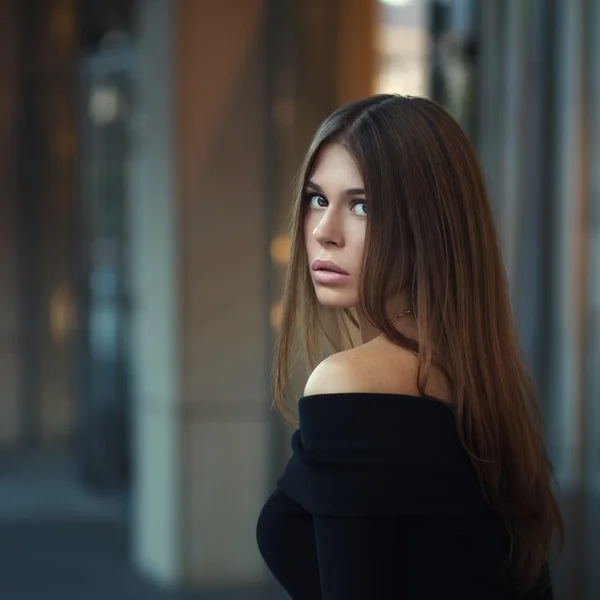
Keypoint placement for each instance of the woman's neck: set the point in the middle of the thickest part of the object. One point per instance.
(395, 306)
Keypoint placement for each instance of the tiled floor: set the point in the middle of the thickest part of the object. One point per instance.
(61, 542)
(83, 560)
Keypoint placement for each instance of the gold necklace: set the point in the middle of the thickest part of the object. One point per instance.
(404, 312)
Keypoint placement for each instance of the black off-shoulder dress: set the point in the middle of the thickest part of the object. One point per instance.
(380, 501)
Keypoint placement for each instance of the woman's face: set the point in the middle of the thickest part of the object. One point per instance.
(335, 227)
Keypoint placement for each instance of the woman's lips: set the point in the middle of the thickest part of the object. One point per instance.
(329, 277)
(327, 272)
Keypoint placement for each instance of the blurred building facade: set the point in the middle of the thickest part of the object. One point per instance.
(147, 150)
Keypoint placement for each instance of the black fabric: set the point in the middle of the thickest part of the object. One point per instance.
(380, 500)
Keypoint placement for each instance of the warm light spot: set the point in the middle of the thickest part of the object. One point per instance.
(276, 311)
(62, 313)
(280, 249)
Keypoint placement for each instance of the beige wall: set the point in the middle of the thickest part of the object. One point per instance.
(9, 330)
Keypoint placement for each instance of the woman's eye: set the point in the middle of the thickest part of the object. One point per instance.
(317, 201)
(360, 208)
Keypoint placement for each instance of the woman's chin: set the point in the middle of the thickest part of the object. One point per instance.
(330, 298)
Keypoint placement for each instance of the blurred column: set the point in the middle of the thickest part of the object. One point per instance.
(532, 271)
(568, 418)
(10, 343)
(512, 114)
(509, 128)
(221, 178)
(502, 109)
(157, 472)
(593, 310)
(593, 387)
(200, 301)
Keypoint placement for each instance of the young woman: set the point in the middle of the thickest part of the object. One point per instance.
(418, 469)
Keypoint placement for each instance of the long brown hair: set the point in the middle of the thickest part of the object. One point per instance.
(429, 211)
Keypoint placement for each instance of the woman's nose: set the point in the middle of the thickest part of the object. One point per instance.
(329, 230)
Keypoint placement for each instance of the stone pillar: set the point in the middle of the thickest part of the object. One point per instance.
(157, 473)
(199, 261)
(570, 207)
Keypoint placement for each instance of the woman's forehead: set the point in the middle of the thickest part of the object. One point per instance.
(334, 165)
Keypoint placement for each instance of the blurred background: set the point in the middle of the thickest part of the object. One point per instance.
(146, 154)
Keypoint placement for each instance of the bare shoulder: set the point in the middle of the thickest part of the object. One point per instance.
(375, 367)
(338, 373)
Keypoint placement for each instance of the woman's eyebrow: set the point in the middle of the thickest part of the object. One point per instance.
(314, 186)
(355, 192)
(349, 192)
